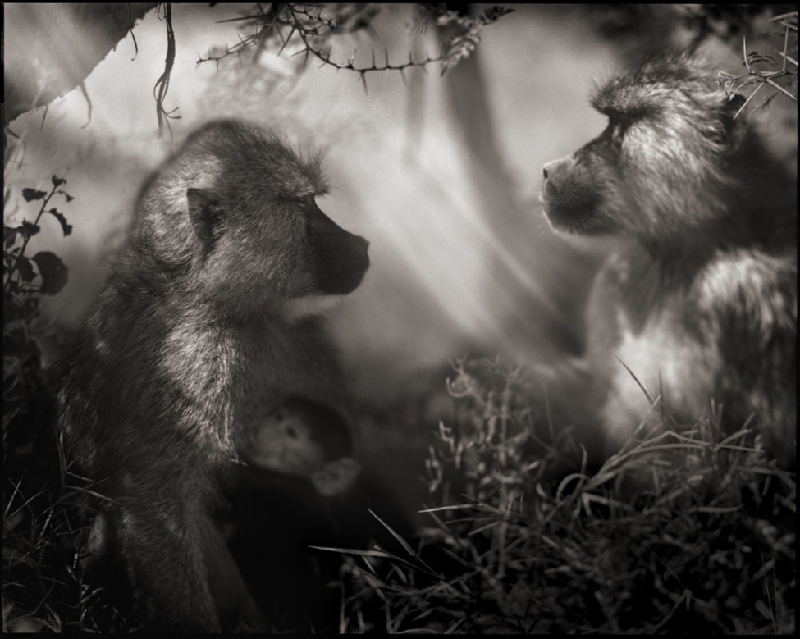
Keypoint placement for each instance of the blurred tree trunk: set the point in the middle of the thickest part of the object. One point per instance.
(49, 49)
(538, 280)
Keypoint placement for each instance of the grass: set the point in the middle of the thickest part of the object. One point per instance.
(677, 533)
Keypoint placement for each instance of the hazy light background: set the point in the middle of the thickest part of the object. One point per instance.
(396, 159)
(459, 265)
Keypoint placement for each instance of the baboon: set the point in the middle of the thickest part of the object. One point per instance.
(701, 303)
(300, 445)
(300, 465)
(304, 439)
(205, 324)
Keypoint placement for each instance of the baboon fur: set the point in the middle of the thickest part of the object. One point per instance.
(194, 338)
(701, 304)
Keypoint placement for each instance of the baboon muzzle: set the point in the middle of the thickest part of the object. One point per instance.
(340, 258)
(555, 174)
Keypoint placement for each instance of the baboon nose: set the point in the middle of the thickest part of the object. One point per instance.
(553, 173)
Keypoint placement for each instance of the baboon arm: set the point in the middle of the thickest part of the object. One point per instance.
(164, 549)
(236, 607)
(757, 332)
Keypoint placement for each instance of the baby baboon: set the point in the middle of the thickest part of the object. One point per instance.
(305, 439)
(201, 329)
(702, 304)
(299, 463)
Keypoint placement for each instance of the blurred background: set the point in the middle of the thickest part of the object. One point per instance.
(439, 172)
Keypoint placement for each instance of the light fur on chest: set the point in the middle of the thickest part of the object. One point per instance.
(660, 370)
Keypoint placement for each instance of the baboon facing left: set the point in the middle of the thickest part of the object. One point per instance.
(202, 328)
(701, 303)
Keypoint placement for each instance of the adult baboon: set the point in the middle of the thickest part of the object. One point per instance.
(702, 303)
(200, 330)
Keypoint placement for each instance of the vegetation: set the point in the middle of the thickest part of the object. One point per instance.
(35, 525)
(678, 532)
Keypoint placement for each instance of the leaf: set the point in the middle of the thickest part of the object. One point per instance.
(53, 271)
(494, 13)
(66, 228)
(28, 230)
(9, 236)
(33, 194)
(57, 181)
(25, 269)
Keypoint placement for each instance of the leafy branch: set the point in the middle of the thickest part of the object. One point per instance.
(782, 68)
(311, 30)
(18, 268)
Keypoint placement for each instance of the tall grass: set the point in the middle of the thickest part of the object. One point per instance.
(677, 533)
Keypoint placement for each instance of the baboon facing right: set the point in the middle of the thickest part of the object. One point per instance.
(202, 328)
(701, 304)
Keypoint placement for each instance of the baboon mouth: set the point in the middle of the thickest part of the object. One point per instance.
(311, 305)
(569, 223)
(546, 191)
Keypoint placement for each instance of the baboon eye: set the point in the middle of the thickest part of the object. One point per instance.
(291, 431)
(618, 126)
(306, 202)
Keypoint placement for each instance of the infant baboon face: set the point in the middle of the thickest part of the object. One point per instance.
(285, 444)
(306, 439)
(658, 168)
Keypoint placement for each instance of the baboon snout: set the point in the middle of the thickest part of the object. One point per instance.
(554, 173)
(342, 261)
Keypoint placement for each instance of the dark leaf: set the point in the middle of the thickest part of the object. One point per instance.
(62, 220)
(53, 272)
(33, 194)
(9, 236)
(57, 181)
(494, 13)
(25, 269)
(69, 197)
(28, 230)
(31, 304)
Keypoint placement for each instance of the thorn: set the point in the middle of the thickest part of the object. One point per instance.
(403, 75)
(744, 52)
(364, 81)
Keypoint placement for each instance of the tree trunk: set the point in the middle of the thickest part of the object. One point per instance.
(50, 49)
(537, 280)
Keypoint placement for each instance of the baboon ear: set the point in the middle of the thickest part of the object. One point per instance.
(204, 214)
(336, 477)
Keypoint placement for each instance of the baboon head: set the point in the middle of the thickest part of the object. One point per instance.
(660, 167)
(236, 209)
(306, 439)
(299, 437)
